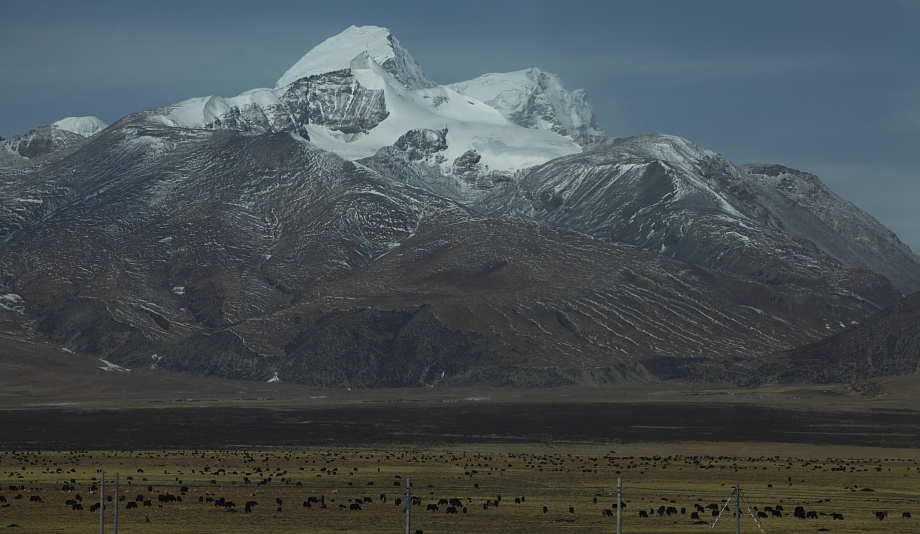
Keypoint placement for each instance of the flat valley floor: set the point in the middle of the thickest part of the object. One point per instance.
(503, 460)
(462, 488)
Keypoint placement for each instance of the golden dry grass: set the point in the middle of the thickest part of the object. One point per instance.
(556, 477)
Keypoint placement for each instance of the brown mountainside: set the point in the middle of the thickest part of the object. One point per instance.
(886, 344)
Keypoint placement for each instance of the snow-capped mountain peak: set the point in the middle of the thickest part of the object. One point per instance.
(46, 139)
(536, 99)
(361, 91)
(472, 125)
(337, 52)
(83, 126)
(359, 94)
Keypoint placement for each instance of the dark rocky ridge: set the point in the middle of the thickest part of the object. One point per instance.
(387, 348)
(41, 141)
(666, 195)
(809, 210)
(886, 344)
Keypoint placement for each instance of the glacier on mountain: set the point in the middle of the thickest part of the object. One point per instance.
(361, 91)
(257, 110)
(83, 126)
(533, 98)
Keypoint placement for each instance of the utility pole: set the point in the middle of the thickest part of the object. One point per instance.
(102, 503)
(408, 507)
(737, 508)
(115, 501)
(619, 505)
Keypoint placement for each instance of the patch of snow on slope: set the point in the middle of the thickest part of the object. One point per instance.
(85, 126)
(10, 301)
(681, 153)
(674, 149)
(109, 366)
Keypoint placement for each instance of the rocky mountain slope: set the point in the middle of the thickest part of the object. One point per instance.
(48, 139)
(886, 344)
(358, 225)
(223, 254)
(667, 195)
(807, 209)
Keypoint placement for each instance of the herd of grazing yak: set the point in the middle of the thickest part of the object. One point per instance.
(450, 491)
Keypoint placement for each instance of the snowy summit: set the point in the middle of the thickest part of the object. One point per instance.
(533, 98)
(83, 126)
(338, 52)
(361, 91)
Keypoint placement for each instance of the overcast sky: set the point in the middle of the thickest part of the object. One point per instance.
(830, 87)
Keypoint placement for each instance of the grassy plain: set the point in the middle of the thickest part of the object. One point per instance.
(829, 449)
(559, 477)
